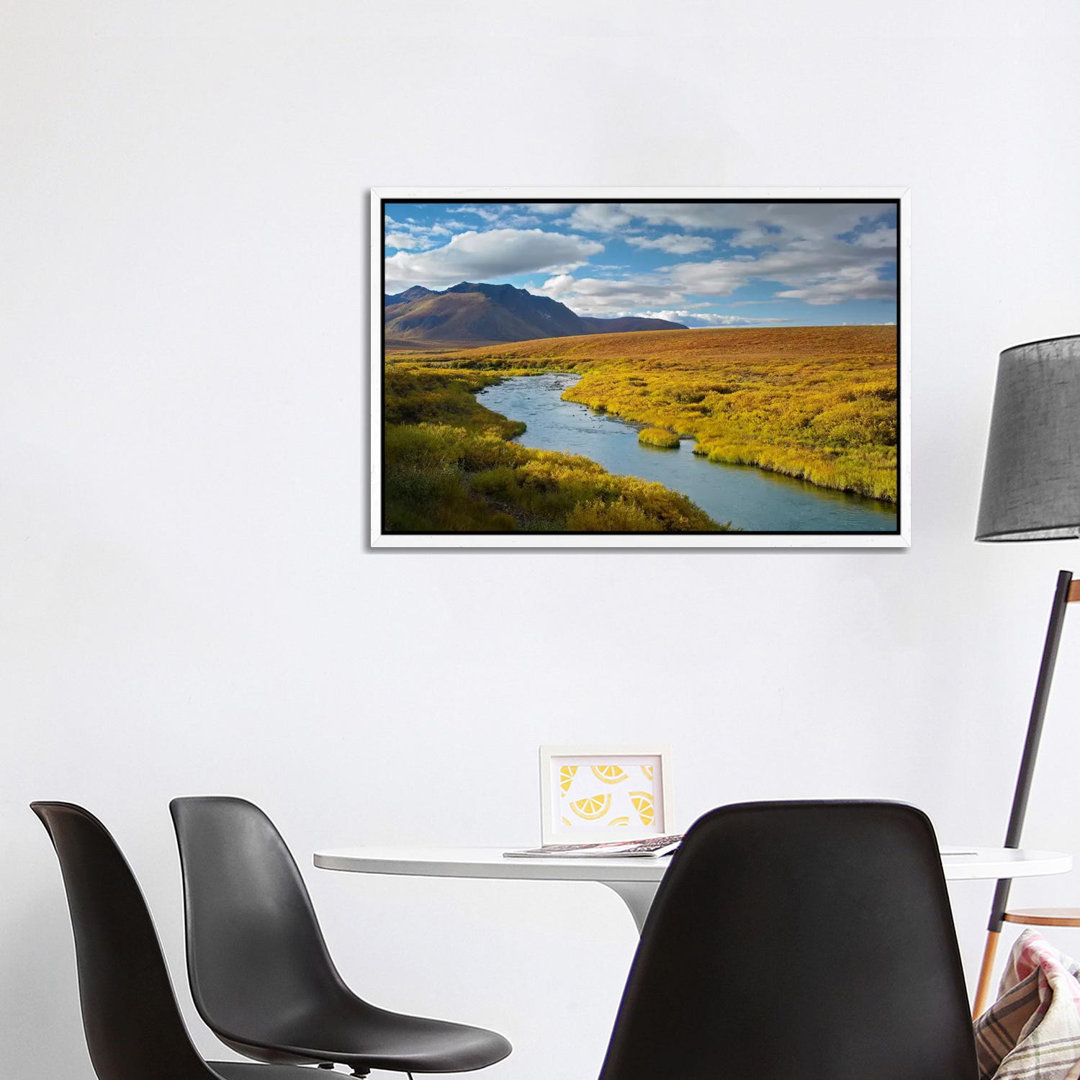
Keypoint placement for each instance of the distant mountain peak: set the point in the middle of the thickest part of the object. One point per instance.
(487, 290)
(478, 313)
(414, 292)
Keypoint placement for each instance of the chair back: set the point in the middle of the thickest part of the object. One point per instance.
(798, 941)
(255, 952)
(132, 1022)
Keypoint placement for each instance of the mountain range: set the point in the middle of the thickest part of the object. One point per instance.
(475, 314)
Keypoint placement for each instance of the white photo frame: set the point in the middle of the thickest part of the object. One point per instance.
(590, 794)
(828, 516)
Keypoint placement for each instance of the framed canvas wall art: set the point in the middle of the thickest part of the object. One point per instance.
(639, 368)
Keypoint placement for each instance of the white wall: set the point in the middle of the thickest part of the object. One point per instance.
(187, 604)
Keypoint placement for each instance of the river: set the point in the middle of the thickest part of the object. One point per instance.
(751, 499)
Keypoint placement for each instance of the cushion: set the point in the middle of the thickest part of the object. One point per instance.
(1032, 1031)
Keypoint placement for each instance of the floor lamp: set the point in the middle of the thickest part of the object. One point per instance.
(1031, 491)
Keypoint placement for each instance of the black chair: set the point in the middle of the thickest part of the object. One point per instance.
(258, 966)
(798, 941)
(133, 1026)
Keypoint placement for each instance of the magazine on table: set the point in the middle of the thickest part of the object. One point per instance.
(649, 847)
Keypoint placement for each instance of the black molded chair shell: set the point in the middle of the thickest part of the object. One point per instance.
(133, 1026)
(259, 969)
(798, 941)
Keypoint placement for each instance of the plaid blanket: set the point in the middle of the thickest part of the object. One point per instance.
(1032, 1031)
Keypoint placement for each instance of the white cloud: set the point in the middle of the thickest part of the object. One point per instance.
(694, 318)
(599, 217)
(410, 236)
(774, 222)
(775, 225)
(816, 271)
(757, 236)
(600, 296)
(673, 243)
(720, 277)
(496, 215)
(404, 241)
(558, 286)
(850, 283)
(879, 238)
(487, 256)
(488, 213)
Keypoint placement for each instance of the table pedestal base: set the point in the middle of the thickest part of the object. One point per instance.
(637, 896)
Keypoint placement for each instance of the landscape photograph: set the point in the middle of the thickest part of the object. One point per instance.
(699, 371)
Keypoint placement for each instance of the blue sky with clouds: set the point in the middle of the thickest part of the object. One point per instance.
(699, 263)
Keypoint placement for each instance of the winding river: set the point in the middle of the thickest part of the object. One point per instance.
(751, 499)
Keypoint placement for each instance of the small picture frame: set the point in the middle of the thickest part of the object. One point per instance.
(595, 793)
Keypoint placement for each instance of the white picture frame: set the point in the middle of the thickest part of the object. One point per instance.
(590, 794)
(896, 535)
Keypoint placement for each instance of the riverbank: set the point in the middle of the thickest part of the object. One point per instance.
(753, 500)
(449, 467)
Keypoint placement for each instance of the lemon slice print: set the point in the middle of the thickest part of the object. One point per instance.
(566, 777)
(643, 804)
(624, 820)
(609, 774)
(646, 771)
(592, 807)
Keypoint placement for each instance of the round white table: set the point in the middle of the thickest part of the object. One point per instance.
(636, 879)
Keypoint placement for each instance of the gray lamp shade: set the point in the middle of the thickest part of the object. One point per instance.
(1031, 484)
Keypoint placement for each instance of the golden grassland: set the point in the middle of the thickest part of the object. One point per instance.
(818, 403)
(448, 466)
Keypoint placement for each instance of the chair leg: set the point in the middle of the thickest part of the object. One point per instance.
(982, 992)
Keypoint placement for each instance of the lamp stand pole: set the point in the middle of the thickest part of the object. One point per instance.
(1065, 592)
